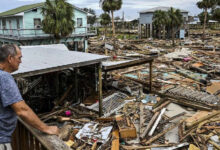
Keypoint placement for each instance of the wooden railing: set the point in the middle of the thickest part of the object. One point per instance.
(24, 139)
(28, 138)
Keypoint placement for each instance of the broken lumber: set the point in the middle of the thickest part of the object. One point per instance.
(161, 106)
(149, 125)
(214, 144)
(209, 116)
(115, 141)
(125, 130)
(145, 147)
(157, 122)
(162, 133)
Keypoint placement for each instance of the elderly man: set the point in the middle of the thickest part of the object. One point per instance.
(11, 102)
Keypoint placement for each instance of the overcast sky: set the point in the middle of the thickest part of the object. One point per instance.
(130, 7)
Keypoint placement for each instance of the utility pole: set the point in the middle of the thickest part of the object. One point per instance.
(123, 24)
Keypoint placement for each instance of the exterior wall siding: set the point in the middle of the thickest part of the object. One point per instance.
(11, 29)
(146, 18)
(29, 31)
(83, 28)
(30, 15)
(27, 24)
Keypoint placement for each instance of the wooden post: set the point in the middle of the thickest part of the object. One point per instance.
(100, 89)
(76, 84)
(150, 70)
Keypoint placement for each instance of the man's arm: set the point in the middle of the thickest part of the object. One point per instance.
(27, 114)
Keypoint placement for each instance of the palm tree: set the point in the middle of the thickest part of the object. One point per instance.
(111, 6)
(160, 20)
(206, 4)
(105, 20)
(58, 18)
(175, 20)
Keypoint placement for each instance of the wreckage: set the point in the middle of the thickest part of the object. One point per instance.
(143, 97)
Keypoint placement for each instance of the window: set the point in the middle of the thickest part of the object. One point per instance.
(18, 23)
(3, 24)
(79, 22)
(37, 23)
(34, 10)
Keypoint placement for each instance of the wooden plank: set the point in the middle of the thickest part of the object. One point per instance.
(100, 89)
(161, 106)
(50, 142)
(208, 115)
(162, 133)
(196, 117)
(145, 147)
(141, 117)
(150, 124)
(115, 141)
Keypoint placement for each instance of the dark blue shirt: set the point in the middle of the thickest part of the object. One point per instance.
(9, 94)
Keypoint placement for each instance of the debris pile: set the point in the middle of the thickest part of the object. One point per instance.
(181, 111)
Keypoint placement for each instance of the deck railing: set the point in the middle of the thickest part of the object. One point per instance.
(39, 32)
(28, 138)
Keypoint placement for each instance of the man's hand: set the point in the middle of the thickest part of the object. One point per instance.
(52, 130)
(28, 116)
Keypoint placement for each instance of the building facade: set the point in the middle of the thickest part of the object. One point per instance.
(23, 26)
(146, 29)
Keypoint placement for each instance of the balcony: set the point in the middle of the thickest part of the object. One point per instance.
(27, 34)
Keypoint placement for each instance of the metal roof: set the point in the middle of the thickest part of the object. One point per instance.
(21, 9)
(50, 58)
(160, 8)
(109, 66)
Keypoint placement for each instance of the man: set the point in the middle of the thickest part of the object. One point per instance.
(11, 102)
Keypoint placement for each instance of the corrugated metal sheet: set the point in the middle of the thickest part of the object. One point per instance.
(160, 8)
(44, 59)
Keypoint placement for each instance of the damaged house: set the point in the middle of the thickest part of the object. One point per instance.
(23, 26)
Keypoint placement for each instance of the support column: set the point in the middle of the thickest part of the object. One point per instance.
(100, 89)
(148, 30)
(86, 45)
(151, 73)
(145, 31)
(76, 83)
(76, 46)
(57, 84)
(139, 31)
(151, 29)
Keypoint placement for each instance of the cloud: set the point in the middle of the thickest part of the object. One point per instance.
(29, 1)
(130, 7)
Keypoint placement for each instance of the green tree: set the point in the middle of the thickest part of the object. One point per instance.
(105, 20)
(92, 17)
(202, 17)
(160, 20)
(205, 5)
(216, 14)
(175, 20)
(58, 18)
(111, 6)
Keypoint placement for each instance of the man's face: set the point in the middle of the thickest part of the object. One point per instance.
(14, 61)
